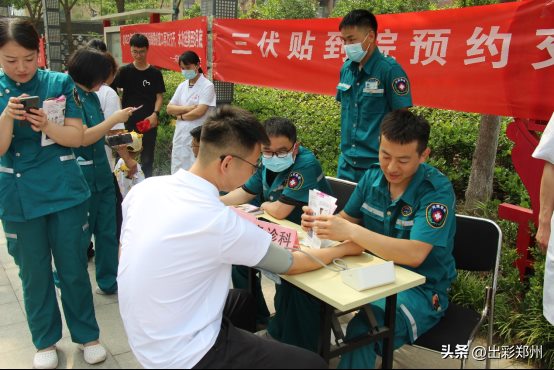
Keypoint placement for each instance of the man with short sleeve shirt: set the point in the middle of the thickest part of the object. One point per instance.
(370, 86)
(283, 182)
(402, 210)
(142, 85)
(175, 265)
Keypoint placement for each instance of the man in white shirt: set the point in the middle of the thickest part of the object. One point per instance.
(545, 237)
(178, 244)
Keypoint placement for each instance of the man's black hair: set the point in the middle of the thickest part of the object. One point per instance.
(233, 127)
(138, 40)
(196, 132)
(404, 127)
(278, 126)
(359, 18)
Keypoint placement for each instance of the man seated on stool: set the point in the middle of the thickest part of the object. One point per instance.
(283, 183)
(402, 210)
(175, 264)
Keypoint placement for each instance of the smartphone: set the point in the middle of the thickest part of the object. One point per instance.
(29, 102)
(121, 139)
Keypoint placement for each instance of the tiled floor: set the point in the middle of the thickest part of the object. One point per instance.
(17, 350)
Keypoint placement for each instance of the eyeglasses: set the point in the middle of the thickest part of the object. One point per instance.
(280, 154)
(256, 166)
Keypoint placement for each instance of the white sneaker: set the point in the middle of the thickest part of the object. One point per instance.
(46, 360)
(94, 354)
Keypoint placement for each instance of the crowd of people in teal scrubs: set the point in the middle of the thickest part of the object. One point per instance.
(56, 193)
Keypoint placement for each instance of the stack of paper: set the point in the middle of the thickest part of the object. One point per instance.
(320, 204)
(55, 111)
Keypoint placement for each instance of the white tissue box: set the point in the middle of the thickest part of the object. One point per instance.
(372, 276)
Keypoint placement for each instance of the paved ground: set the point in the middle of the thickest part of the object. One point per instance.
(17, 350)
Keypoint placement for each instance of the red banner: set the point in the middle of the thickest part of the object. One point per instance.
(168, 41)
(496, 59)
(41, 53)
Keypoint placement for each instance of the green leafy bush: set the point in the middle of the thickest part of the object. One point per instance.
(164, 141)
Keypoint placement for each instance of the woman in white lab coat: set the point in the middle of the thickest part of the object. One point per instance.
(192, 103)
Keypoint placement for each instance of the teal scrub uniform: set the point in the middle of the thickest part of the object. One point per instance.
(102, 205)
(292, 187)
(366, 96)
(43, 205)
(424, 212)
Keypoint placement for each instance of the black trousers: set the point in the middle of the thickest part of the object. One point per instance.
(236, 348)
(147, 155)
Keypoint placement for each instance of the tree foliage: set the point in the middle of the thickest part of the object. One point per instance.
(286, 9)
(118, 6)
(33, 7)
(343, 7)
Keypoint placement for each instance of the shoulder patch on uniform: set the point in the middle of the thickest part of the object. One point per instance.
(436, 214)
(406, 211)
(401, 86)
(295, 181)
(76, 97)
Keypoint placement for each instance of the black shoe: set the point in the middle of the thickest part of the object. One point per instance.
(90, 251)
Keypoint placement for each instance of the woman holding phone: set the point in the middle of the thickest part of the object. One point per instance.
(43, 196)
(90, 69)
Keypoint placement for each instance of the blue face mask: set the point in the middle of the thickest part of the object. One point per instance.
(188, 74)
(355, 52)
(278, 164)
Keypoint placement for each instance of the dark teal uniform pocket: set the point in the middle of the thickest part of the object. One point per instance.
(374, 102)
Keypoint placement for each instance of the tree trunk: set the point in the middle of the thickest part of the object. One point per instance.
(120, 4)
(480, 184)
(69, 30)
(330, 6)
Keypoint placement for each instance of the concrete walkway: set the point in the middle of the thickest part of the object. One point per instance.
(17, 350)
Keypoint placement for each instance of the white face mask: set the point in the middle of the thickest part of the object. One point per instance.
(355, 52)
(188, 74)
(276, 164)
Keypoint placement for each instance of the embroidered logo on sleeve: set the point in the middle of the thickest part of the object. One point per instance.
(296, 180)
(436, 214)
(401, 86)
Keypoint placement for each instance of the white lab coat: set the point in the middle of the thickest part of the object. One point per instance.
(202, 92)
(545, 151)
